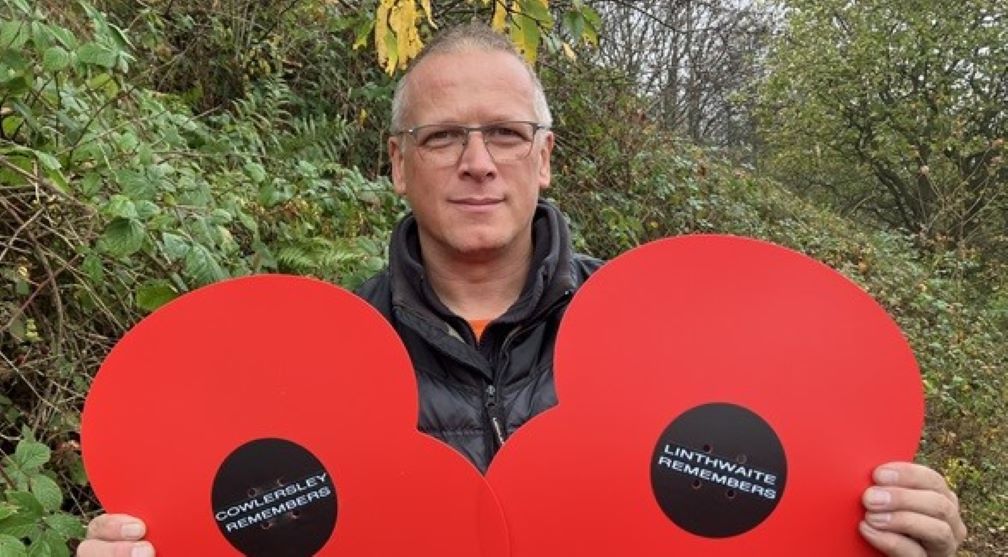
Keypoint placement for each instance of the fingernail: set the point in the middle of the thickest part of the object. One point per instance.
(142, 550)
(886, 476)
(878, 519)
(868, 529)
(878, 497)
(132, 530)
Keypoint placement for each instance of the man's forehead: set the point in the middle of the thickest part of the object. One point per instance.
(469, 63)
(441, 80)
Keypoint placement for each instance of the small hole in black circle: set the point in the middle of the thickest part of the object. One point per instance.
(266, 525)
(696, 484)
(741, 459)
(295, 514)
(252, 492)
(730, 493)
(279, 481)
(707, 448)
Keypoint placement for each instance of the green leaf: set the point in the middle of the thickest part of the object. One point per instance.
(46, 491)
(29, 506)
(201, 266)
(25, 111)
(537, 10)
(175, 247)
(13, 34)
(94, 54)
(147, 209)
(574, 22)
(362, 31)
(66, 525)
(48, 161)
(40, 548)
(123, 237)
(16, 85)
(220, 216)
(135, 184)
(104, 82)
(57, 543)
(64, 37)
(11, 124)
(31, 455)
(594, 25)
(120, 206)
(55, 59)
(91, 183)
(92, 267)
(155, 294)
(11, 546)
(23, 6)
(255, 172)
(6, 510)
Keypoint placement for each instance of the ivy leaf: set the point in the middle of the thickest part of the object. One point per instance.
(123, 237)
(55, 59)
(94, 54)
(31, 455)
(46, 492)
(155, 294)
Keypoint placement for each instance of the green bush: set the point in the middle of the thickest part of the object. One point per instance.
(115, 200)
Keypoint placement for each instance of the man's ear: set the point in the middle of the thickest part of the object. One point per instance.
(396, 159)
(544, 152)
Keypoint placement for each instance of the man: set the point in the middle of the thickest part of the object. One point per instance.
(480, 273)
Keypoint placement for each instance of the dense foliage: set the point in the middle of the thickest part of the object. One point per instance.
(897, 109)
(149, 148)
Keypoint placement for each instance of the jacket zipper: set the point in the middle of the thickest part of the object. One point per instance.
(494, 413)
(490, 398)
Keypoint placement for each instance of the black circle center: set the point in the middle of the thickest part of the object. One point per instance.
(718, 470)
(272, 497)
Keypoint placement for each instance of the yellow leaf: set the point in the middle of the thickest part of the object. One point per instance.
(524, 33)
(427, 10)
(569, 52)
(499, 15)
(381, 29)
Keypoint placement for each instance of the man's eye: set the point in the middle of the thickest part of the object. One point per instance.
(435, 138)
(505, 133)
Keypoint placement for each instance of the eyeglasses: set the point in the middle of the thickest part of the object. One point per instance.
(443, 144)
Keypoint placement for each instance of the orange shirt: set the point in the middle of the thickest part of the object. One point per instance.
(478, 325)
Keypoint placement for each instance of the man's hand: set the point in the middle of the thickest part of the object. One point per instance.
(911, 512)
(115, 535)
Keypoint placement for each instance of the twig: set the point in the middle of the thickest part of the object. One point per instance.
(38, 180)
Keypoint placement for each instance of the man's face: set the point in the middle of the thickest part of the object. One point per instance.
(478, 207)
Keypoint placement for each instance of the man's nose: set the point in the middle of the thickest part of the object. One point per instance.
(476, 158)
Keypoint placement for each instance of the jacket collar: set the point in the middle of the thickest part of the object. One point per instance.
(550, 275)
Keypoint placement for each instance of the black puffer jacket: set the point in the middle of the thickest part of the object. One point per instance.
(473, 395)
